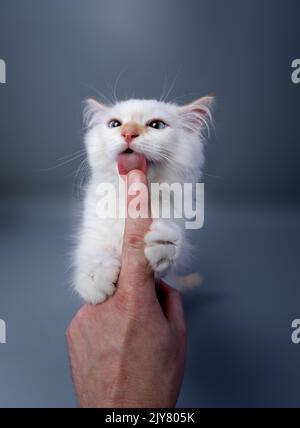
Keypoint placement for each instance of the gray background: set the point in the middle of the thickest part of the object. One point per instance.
(57, 53)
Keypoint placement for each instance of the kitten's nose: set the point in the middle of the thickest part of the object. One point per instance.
(130, 131)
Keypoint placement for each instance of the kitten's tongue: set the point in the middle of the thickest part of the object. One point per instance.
(130, 161)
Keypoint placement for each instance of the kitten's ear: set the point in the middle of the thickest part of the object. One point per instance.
(197, 115)
(92, 112)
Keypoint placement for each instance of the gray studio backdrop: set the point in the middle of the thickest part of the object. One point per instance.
(57, 53)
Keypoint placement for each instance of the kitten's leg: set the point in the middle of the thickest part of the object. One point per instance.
(163, 244)
(95, 282)
(97, 270)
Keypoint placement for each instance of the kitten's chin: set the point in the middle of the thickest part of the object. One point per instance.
(129, 160)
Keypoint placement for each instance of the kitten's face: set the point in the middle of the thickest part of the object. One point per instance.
(166, 135)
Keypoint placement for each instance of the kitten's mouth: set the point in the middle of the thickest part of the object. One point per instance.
(130, 160)
(128, 152)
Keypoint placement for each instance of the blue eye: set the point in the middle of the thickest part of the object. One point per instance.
(114, 123)
(157, 124)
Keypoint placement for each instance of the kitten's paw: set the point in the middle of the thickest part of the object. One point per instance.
(162, 245)
(97, 284)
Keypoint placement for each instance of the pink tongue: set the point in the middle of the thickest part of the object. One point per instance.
(130, 161)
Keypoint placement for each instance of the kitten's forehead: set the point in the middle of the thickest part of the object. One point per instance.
(138, 109)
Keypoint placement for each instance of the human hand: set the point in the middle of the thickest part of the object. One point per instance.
(130, 350)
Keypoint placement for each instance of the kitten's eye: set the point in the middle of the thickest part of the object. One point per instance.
(114, 123)
(157, 124)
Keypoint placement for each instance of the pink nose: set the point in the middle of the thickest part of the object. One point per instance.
(129, 132)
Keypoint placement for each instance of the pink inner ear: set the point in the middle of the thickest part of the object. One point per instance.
(92, 112)
(197, 115)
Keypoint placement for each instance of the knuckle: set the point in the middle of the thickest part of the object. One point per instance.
(79, 321)
(83, 313)
(135, 241)
(80, 316)
(68, 332)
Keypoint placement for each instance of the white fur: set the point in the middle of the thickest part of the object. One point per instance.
(176, 155)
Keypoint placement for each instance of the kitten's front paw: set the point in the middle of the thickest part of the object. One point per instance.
(96, 284)
(162, 244)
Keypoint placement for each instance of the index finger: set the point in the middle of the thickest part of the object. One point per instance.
(135, 271)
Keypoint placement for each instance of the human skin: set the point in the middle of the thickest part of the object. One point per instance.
(130, 351)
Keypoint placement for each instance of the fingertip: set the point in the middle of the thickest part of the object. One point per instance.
(135, 270)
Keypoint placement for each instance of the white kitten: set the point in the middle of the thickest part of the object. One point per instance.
(170, 139)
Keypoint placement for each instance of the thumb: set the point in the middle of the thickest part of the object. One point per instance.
(136, 273)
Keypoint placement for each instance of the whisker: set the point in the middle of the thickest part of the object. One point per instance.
(71, 155)
(164, 88)
(165, 98)
(62, 163)
(187, 95)
(101, 95)
(213, 176)
(80, 176)
(117, 83)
